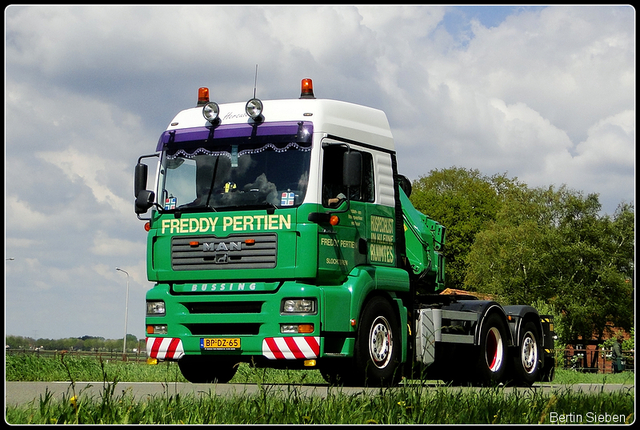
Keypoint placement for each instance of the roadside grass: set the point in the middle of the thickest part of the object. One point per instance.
(27, 367)
(409, 404)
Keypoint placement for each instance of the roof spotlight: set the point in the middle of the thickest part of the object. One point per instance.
(253, 108)
(210, 111)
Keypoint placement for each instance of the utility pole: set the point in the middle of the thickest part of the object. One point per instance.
(126, 314)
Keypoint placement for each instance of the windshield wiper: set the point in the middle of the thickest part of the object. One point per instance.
(213, 179)
(195, 208)
(270, 207)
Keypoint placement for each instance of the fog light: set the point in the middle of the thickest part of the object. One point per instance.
(288, 328)
(296, 328)
(157, 329)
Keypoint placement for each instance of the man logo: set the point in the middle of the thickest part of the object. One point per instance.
(221, 250)
(222, 246)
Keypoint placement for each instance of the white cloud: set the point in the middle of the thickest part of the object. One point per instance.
(22, 216)
(105, 245)
(610, 142)
(546, 95)
(90, 170)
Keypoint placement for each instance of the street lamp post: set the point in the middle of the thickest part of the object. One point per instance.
(126, 314)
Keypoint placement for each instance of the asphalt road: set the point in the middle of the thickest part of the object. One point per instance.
(23, 392)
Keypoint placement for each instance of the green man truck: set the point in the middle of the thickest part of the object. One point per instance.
(281, 234)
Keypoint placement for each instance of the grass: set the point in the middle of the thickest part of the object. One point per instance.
(410, 404)
(28, 367)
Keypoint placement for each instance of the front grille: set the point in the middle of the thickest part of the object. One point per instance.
(232, 252)
(225, 307)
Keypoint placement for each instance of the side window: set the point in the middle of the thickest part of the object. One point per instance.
(333, 192)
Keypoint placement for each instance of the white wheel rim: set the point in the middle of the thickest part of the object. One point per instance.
(529, 352)
(380, 342)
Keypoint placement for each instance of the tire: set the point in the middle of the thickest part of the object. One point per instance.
(338, 372)
(526, 362)
(492, 357)
(377, 348)
(199, 369)
(337, 375)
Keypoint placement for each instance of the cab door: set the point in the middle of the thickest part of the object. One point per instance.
(343, 246)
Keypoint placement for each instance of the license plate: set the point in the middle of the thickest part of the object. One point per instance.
(220, 343)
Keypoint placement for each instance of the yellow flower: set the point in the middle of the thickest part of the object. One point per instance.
(74, 403)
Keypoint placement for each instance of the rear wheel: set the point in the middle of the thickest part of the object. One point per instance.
(526, 363)
(492, 357)
(206, 369)
(377, 351)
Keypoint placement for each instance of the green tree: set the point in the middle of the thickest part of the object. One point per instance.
(19, 342)
(596, 257)
(553, 245)
(464, 201)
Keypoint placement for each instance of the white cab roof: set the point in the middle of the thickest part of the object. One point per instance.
(339, 119)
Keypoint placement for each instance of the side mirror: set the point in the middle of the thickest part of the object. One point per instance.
(405, 184)
(352, 169)
(144, 201)
(139, 179)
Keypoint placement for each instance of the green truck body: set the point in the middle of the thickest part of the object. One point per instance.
(281, 234)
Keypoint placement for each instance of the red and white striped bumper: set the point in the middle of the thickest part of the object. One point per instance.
(164, 348)
(291, 348)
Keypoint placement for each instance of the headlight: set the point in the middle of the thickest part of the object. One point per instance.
(155, 308)
(299, 306)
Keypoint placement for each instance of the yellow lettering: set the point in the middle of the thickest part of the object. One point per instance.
(381, 253)
(273, 222)
(286, 222)
(204, 225)
(381, 225)
(235, 223)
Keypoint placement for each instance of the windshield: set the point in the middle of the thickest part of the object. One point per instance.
(236, 172)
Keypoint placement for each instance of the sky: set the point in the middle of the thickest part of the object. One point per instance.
(542, 94)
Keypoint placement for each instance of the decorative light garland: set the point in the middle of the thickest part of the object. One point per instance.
(203, 151)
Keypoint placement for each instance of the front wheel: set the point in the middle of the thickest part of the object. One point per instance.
(492, 358)
(200, 369)
(378, 344)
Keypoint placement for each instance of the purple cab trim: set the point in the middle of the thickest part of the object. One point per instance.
(231, 130)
